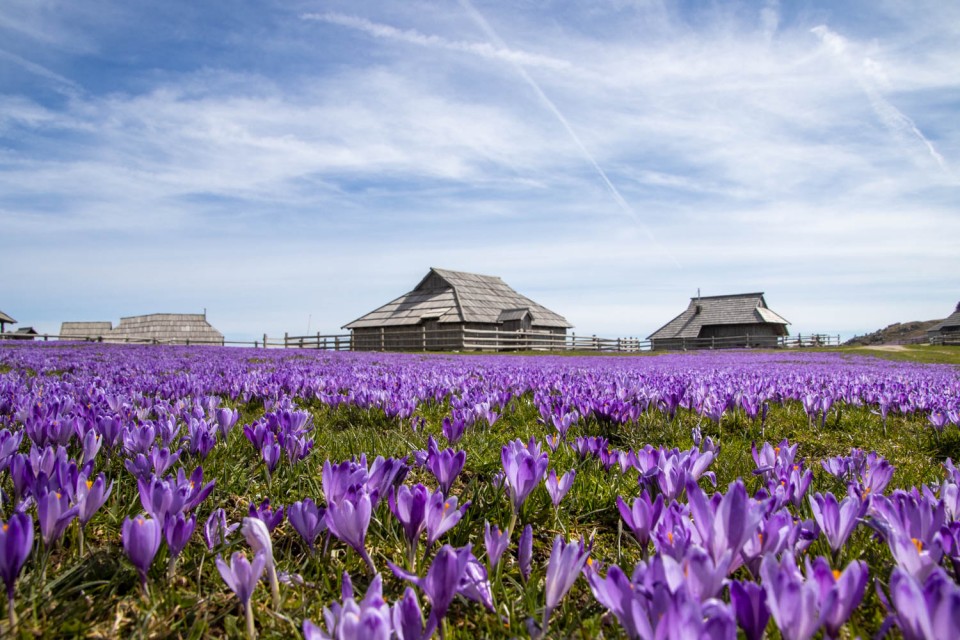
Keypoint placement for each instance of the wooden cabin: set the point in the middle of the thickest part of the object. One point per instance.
(85, 330)
(731, 321)
(159, 328)
(948, 330)
(445, 304)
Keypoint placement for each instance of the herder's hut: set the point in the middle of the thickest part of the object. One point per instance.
(948, 330)
(85, 330)
(739, 320)
(4, 321)
(166, 328)
(453, 310)
(159, 328)
(24, 333)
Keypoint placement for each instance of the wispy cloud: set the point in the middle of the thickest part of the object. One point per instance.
(412, 36)
(870, 76)
(67, 86)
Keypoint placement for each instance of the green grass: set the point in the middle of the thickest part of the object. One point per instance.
(98, 595)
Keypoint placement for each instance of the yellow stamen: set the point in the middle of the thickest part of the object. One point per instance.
(446, 505)
(89, 484)
(918, 544)
(836, 574)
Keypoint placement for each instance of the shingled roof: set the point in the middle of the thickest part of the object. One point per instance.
(458, 297)
(952, 323)
(168, 328)
(173, 328)
(84, 330)
(738, 309)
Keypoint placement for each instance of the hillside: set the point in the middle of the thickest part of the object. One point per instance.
(896, 333)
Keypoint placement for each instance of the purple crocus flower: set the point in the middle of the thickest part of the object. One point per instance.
(270, 516)
(16, 543)
(837, 520)
(445, 465)
(926, 610)
(141, 538)
(525, 552)
(496, 543)
(840, 592)
(442, 515)
(226, 419)
(697, 571)
(270, 452)
(409, 505)
(90, 496)
(308, 519)
(408, 617)
(90, 443)
(384, 474)
(725, 524)
(566, 561)
(348, 520)
(559, 488)
(441, 582)
(258, 537)
(177, 531)
(642, 516)
(524, 466)
(242, 577)
(750, 606)
(338, 480)
(54, 514)
(794, 603)
(370, 619)
(475, 584)
(216, 530)
(620, 596)
(453, 428)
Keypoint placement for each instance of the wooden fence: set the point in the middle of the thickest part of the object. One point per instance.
(946, 340)
(462, 339)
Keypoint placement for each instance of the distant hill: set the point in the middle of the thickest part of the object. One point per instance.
(896, 333)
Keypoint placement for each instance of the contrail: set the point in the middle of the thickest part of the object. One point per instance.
(618, 198)
(892, 117)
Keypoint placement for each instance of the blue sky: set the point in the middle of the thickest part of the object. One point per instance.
(292, 165)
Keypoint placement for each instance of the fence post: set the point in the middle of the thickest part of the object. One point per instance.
(264, 341)
(336, 343)
(381, 339)
(423, 336)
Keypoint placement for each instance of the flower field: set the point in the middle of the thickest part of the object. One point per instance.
(206, 492)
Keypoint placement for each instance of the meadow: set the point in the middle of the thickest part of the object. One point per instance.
(198, 492)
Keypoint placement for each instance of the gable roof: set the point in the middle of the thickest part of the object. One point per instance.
(4, 318)
(455, 297)
(85, 329)
(742, 308)
(950, 322)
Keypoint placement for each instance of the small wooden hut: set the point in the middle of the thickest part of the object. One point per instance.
(161, 328)
(729, 321)
(948, 330)
(4, 321)
(445, 304)
(85, 330)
